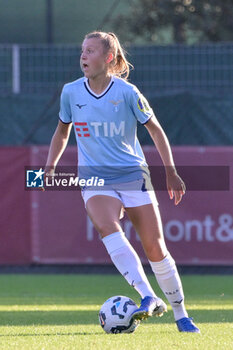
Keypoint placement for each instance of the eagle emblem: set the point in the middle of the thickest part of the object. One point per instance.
(115, 104)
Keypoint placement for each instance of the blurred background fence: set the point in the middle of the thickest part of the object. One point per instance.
(189, 87)
(159, 69)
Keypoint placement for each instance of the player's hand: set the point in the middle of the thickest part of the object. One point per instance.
(176, 187)
(49, 171)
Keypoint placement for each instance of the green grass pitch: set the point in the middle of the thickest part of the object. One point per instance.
(45, 312)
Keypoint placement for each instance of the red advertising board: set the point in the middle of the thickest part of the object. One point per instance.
(15, 207)
(52, 226)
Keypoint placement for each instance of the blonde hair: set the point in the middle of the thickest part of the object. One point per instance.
(119, 66)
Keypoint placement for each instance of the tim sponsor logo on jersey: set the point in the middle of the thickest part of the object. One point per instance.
(100, 129)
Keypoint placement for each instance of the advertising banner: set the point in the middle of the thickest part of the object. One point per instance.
(198, 231)
(52, 226)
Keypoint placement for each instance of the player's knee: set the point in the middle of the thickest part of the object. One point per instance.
(155, 252)
(106, 228)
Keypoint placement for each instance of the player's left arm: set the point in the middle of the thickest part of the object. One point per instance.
(175, 185)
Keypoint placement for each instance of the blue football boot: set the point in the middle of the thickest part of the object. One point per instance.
(150, 306)
(186, 324)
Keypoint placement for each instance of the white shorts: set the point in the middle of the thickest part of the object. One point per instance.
(131, 194)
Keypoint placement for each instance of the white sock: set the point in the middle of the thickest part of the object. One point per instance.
(169, 281)
(128, 263)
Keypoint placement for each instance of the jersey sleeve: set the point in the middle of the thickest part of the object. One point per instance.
(65, 111)
(140, 106)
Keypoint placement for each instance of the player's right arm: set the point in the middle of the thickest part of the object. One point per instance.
(57, 146)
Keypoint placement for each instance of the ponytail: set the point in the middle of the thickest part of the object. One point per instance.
(119, 66)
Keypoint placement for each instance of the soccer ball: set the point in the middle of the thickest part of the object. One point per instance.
(115, 315)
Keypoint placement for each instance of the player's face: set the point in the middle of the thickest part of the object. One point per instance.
(93, 60)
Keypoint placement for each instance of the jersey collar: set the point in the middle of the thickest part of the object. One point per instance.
(87, 86)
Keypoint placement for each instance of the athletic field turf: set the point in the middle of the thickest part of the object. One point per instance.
(43, 312)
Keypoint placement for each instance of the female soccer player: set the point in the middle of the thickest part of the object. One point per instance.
(104, 109)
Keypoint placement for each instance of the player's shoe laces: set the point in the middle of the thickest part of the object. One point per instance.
(150, 306)
(186, 324)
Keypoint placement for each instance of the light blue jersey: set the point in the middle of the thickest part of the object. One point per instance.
(105, 126)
